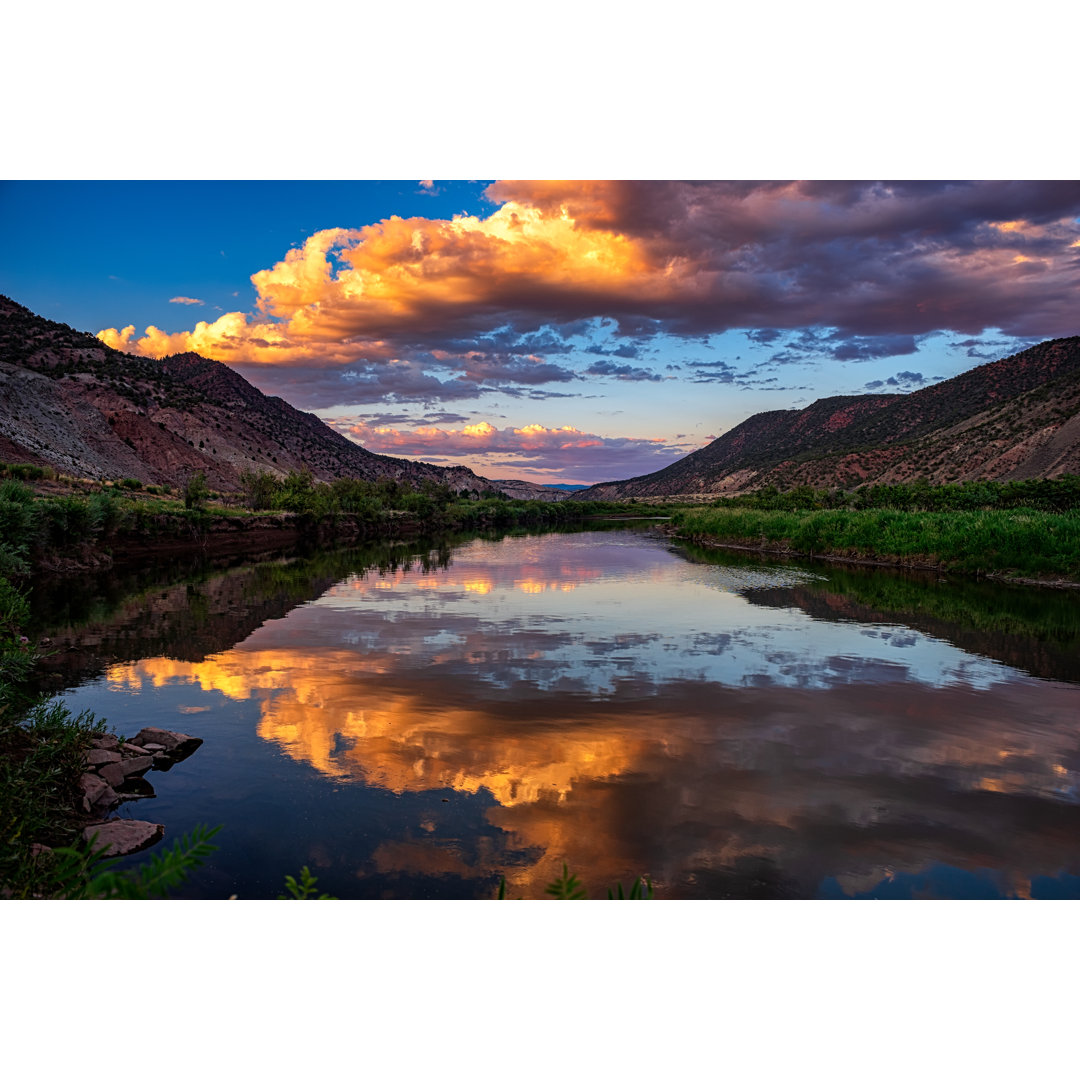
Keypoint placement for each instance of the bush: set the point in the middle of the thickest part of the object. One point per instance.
(196, 491)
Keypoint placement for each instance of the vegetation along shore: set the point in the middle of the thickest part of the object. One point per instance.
(1023, 531)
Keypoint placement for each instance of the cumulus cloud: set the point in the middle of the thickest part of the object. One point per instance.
(185, 300)
(868, 267)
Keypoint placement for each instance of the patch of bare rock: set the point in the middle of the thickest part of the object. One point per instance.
(115, 773)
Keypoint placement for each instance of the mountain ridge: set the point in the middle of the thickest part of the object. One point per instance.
(1013, 418)
(71, 402)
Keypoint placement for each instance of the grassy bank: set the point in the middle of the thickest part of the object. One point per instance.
(1018, 543)
(62, 528)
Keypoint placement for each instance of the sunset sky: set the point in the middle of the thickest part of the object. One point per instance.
(555, 331)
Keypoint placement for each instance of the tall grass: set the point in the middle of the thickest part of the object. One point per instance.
(973, 541)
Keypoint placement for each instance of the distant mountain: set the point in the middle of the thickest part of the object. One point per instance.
(69, 401)
(1014, 419)
(523, 489)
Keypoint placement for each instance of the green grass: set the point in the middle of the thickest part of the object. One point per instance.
(41, 760)
(1011, 542)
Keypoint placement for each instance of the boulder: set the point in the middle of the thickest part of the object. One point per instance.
(105, 801)
(92, 787)
(105, 742)
(173, 742)
(123, 837)
(116, 773)
(101, 757)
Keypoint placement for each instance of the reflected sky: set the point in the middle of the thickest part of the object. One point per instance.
(599, 699)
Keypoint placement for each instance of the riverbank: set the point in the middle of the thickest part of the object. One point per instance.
(47, 530)
(1022, 546)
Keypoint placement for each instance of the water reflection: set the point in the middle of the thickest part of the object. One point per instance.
(602, 700)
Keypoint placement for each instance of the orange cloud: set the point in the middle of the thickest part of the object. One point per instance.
(685, 258)
(530, 440)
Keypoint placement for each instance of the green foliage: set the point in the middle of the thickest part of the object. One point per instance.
(16, 654)
(304, 889)
(1057, 495)
(27, 472)
(41, 759)
(971, 541)
(196, 491)
(566, 887)
(642, 889)
(81, 874)
(259, 489)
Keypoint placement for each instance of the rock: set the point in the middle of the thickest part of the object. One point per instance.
(123, 837)
(105, 742)
(174, 742)
(101, 757)
(153, 747)
(116, 773)
(105, 801)
(92, 787)
(37, 850)
(131, 748)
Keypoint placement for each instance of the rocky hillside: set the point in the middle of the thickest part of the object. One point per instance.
(69, 401)
(1014, 419)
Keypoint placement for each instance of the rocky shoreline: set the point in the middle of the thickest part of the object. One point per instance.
(115, 774)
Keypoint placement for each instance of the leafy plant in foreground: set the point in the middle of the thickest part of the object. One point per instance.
(305, 888)
(642, 889)
(566, 887)
(83, 875)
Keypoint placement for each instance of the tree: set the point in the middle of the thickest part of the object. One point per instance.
(196, 492)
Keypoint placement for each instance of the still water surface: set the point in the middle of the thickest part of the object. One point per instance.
(419, 727)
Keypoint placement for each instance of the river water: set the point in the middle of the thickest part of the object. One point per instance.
(420, 722)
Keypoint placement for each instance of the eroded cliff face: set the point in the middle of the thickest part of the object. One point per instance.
(1015, 419)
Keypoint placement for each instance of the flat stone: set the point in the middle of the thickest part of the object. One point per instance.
(123, 837)
(174, 742)
(154, 748)
(131, 748)
(101, 757)
(116, 773)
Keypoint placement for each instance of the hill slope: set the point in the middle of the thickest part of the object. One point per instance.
(69, 401)
(1016, 418)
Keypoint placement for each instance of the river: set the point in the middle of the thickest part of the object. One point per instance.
(421, 722)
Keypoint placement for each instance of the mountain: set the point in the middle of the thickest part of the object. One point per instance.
(71, 402)
(1014, 419)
